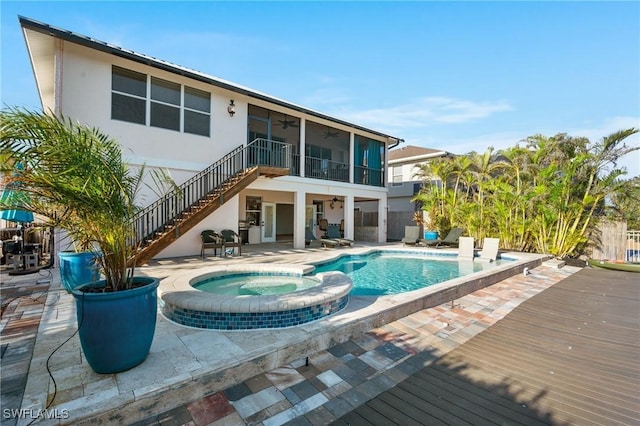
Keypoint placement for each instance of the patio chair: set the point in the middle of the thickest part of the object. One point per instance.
(411, 235)
(231, 240)
(333, 233)
(211, 240)
(489, 252)
(466, 249)
(322, 225)
(451, 240)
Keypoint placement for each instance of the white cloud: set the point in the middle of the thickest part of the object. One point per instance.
(422, 112)
(328, 97)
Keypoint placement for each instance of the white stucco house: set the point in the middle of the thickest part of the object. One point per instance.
(403, 163)
(197, 126)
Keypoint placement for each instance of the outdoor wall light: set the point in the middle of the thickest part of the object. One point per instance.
(231, 109)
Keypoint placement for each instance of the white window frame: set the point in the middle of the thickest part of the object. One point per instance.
(149, 101)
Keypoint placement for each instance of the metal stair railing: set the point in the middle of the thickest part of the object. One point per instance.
(164, 212)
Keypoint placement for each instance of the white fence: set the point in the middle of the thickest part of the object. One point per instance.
(633, 246)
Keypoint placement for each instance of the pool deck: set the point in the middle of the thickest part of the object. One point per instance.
(315, 372)
(567, 356)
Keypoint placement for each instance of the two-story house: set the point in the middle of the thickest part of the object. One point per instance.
(403, 164)
(253, 160)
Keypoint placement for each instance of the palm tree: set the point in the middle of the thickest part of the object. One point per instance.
(76, 177)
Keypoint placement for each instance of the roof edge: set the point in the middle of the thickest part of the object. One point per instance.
(28, 23)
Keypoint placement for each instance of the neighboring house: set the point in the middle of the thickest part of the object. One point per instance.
(172, 117)
(403, 185)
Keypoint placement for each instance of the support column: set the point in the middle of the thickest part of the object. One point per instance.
(382, 219)
(352, 156)
(349, 204)
(303, 149)
(299, 209)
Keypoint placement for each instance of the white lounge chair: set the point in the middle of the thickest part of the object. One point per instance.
(490, 250)
(466, 248)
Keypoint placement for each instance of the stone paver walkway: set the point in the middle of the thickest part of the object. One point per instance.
(22, 304)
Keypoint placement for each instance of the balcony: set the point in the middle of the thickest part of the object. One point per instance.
(317, 168)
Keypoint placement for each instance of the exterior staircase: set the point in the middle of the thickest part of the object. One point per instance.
(163, 222)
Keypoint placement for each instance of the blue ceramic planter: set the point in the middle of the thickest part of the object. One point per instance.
(430, 235)
(77, 269)
(116, 329)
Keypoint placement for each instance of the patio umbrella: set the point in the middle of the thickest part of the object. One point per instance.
(13, 198)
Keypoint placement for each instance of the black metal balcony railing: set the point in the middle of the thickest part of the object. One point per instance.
(265, 152)
(326, 169)
(318, 168)
(368, 176)
(155, 217)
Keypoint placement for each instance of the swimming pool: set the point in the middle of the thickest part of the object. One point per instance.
(387, 272)
(408, 280)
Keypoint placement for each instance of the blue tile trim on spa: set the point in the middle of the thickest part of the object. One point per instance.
(251, 320)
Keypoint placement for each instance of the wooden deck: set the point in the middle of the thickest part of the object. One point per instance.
(570, 355)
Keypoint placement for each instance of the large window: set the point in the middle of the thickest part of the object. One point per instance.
(397, 175)
(165, 104)
(171, 105)
(197, 111)
(129, 96)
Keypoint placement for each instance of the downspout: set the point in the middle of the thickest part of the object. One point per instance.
(57, 75)
(398, 142)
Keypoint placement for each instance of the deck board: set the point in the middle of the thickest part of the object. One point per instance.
(569, 355)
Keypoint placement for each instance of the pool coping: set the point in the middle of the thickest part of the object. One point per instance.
(179, 290)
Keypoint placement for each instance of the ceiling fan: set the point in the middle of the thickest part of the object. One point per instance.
(288, 123)
(334, 200)
(329, 134)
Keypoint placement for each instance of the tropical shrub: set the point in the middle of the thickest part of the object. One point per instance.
(546, 196)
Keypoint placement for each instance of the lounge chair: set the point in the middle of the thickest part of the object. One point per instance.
(231, 240)
(451, 240)
(466, 249)
(333, 233)
(211, 240)
(328, 242)
(490, 250)
(411, 235)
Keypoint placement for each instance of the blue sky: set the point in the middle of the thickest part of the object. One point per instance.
(457, 76)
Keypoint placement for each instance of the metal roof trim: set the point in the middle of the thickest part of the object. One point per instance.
(28, 23)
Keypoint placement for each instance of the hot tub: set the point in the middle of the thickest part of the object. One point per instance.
(182, 302)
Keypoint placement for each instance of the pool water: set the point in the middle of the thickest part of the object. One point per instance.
(380, 273)
(255, 285)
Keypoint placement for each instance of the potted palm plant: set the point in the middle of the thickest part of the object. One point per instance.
(76, 177)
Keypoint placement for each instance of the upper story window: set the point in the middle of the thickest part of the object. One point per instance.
(165, 104)
(128, 96)
(397, 175)
(171, 105)
(197, 111)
